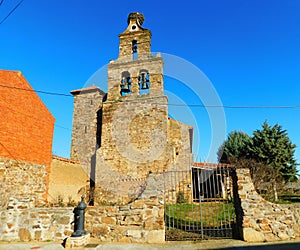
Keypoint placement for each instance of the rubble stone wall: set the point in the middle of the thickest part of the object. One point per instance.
(263, 220)
(87, 105)
(22, 221)
(140, 221)
(23, 178)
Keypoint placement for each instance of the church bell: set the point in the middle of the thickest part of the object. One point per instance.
(145, 85)
(125, 85)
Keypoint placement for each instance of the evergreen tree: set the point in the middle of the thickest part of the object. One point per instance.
(235, 147)
(269, 146)
(272, 146)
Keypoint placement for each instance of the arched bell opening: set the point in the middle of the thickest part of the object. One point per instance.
(125, 83)
(144, 82)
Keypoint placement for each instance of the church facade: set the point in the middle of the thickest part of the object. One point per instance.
(122, 136)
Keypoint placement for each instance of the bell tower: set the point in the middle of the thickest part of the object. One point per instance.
(135, 113)
(136, 72)
(125, 135)
(135, 41)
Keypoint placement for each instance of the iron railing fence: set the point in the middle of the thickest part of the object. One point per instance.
(199, 203)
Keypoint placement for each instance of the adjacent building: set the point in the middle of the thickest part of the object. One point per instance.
(26, 124)
(26, 133)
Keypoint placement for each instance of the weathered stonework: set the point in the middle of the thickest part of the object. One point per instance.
(85, 128)
(76, 242)
(23, 178)
(134, 32)
(22, 221)
(139, 221)
(131, 124)
(153, 64)
(263, 220)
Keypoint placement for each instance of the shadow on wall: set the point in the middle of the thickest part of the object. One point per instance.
(238, 227)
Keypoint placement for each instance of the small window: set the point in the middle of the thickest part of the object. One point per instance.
(85, 129)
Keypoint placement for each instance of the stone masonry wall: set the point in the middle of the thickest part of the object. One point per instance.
(141, 220)
(87, 103)
(137, 140)
(154, 65)
(22, 221)
(23, 178)
(263, 220)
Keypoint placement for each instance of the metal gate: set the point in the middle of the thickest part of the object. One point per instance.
(199, 203)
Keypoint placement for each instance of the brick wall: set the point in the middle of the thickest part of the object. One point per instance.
(26, 123)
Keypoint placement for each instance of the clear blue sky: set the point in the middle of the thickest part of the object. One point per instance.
(249, 49)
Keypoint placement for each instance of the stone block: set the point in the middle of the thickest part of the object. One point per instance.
(65, 220)
(124, 239)
(283, 236)
(24, 234)
(270, 237)
(108, 220)
(265, 227)
(137, 204)
(119, 229)
(100, 230)
(9, 225)
(73, 242)
(38, 235)
(251, 235)
(111, 209)
(134, 233)
(156, 236)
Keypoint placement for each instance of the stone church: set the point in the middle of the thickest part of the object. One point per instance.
(122, 136)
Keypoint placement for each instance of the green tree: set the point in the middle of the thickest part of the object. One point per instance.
(273, 147)
(237, 146)
(269, 154)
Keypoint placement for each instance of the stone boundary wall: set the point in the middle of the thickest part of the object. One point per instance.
(140, 221)
(23, 178)
(21, 221)
(262, 220)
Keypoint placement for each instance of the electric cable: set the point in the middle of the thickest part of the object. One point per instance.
(12, 11)
(169, 104)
